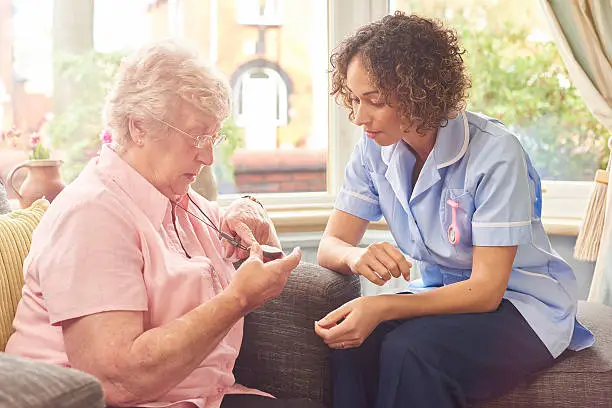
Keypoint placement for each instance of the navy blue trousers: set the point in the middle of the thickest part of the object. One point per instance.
(442, 361)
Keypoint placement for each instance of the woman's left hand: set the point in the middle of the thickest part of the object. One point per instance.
(350, 324)
(247, 221)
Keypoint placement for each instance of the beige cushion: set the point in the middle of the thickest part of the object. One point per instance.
(16, 230)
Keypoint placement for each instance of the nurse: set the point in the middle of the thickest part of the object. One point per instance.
(495, 303)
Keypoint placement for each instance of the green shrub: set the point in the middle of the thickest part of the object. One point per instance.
(525, 84)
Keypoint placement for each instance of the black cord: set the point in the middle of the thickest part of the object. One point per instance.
(177, 233)
(211, 224)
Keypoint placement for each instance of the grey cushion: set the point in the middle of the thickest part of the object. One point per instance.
(281, 353)
(579, 379)
(27, 383)
(4, 204)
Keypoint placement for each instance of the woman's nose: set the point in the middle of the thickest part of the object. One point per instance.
(206, 154)
(361, 116)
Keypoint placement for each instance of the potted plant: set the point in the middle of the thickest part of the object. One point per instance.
(43, 178)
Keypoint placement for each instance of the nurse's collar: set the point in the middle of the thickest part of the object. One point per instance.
(452, 141)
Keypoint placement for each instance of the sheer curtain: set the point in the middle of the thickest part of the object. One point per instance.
(583, 33)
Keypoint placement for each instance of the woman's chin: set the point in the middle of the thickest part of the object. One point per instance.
(384, 141)
(179, 190)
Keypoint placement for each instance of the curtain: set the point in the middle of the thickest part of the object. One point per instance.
(582, 30)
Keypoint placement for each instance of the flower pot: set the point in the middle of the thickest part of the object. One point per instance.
(43, 180)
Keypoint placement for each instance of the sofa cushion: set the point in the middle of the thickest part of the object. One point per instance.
(15, 237)
(32, 384)
(579, 379)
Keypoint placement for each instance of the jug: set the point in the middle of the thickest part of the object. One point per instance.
(43, 180)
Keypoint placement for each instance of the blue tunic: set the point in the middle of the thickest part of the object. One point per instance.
(480, 165)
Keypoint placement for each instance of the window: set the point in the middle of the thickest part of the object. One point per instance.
(289, 141)
(260, 12)
(278, 134)
(260, 93)
(518, 77)
(176, 18)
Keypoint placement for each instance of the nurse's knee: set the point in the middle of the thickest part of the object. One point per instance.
(346, 359)
(413, 337)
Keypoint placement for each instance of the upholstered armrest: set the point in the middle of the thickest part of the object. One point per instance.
(280, 352)
(27, 383)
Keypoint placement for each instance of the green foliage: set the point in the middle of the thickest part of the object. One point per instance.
(519, 77)
(39, 152)
(76, 130)
(525, 84)
(234, 138)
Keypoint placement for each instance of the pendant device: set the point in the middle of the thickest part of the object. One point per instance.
(270, 252)
(454, 236)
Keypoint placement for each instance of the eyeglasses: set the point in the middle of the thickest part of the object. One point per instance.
(201, 140)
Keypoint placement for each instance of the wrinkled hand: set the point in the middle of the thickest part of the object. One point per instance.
(361, 316)
(379, 262)
(256, 282)
(248, 222)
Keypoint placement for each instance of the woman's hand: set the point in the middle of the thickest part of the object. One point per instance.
(256, 282)
(249, 222)
(350, 324)
(379, 262)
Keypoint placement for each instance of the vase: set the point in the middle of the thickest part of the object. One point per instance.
(43, 180)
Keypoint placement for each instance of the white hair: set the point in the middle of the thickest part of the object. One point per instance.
(152, 81)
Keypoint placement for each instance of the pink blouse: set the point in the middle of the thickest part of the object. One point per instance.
(107, 242)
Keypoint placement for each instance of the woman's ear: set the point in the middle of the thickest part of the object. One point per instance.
(137, 132)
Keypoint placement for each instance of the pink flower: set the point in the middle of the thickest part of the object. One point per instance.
(34, 139)
(106, 136)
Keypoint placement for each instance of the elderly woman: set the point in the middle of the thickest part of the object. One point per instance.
(128, 278)
(495, 303)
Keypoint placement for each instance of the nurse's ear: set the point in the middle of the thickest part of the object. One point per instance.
(407, 126)
(137, 132)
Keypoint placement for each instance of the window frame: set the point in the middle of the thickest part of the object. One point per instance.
(273, 13)
(564, 201)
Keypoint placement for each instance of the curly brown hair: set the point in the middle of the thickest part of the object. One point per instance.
(415, 63)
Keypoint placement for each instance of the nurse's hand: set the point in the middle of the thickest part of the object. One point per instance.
(350, 324)
(379, 263)
(247, 221)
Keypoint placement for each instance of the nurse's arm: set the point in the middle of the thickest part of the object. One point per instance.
(481, 293)
(339, 242)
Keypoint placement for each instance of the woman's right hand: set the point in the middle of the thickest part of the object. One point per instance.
(379, 262)
(257, 282)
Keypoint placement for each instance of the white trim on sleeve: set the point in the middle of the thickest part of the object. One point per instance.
(539, 275)
(359, 196)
